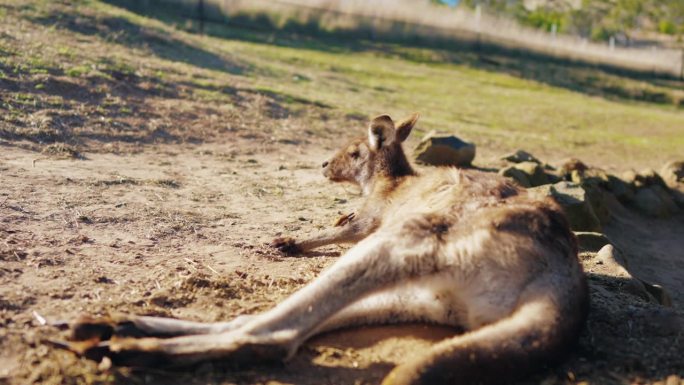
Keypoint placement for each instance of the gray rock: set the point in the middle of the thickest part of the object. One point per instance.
(655, 201)
(648, 178)
(611, 262)
(521, 156)
(517, 175)
(629, 177)
(673, 176)
(444, 150)
(597, 183)
(622, 190)
(591, 242)
(534, 172)
(596, 196)
(673, 173)
(593, 175)
(571, 165)
(573, 199)
(551, 175)
(677, 193)
(658, 292)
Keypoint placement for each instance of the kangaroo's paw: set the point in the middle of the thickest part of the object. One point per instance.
(286, 245)
(344, 220)
(88, 328)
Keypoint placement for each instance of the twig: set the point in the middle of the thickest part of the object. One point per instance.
(41, 320)
(212, 269)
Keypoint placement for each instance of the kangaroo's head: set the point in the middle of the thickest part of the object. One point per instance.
(378, 155)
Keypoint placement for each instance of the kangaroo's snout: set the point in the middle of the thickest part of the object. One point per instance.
(326, 169)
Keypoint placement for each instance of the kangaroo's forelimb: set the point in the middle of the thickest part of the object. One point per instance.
(348, 229)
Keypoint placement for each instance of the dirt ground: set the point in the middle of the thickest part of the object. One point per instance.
(181, 229)
(124, 192)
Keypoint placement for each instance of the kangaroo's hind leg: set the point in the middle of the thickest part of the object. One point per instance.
(145, 326)
(379, 261)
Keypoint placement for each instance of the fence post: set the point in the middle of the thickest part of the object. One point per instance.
(478, 27)
(200, 13)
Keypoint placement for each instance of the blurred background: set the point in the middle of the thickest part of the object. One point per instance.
(636, 34)
(599, 79)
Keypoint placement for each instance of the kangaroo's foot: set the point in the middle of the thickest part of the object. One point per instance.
(151, 341)
(233, 347)
(104, 328)
(286, 245)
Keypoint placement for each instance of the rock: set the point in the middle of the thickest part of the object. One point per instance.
(658, 292)
(673, 176)
(678, 195)
(594, 175)
(590, 241)
(521, 156)
(655, 201)
(571, 165)
(444, 150)
(551, 175)
(598, 183)
(534, 172)
(622, 190)
(573, 199)
(611, 262)
(517, 175)
(629, 177)
(647, 178)
(673, 173)
(596, 196)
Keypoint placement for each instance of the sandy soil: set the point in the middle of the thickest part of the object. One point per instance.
(181, 230)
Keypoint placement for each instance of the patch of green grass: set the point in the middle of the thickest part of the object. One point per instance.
(116, 68)
(66, 52)
(38, 65)
(77, 71)
(210, 95)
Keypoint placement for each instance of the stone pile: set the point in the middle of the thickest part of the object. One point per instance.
(583, 191)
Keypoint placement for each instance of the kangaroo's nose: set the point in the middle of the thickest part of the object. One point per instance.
(325, 164)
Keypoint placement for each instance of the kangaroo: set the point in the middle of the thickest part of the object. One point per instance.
(447, 246)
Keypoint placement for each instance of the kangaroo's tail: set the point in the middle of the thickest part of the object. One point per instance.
(540, 331)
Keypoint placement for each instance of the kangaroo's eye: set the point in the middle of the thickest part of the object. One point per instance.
(355, 154)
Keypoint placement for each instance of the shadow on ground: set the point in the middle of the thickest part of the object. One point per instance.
(121, 31)
(592, 79)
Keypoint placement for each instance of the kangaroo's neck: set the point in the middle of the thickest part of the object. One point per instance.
(391, 170)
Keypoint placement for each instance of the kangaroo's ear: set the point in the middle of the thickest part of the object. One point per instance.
(405, 126)
(380, 132)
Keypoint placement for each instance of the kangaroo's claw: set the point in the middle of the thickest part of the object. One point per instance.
(88, 328)
(286, 245)
(231, 347)
(344, 219)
